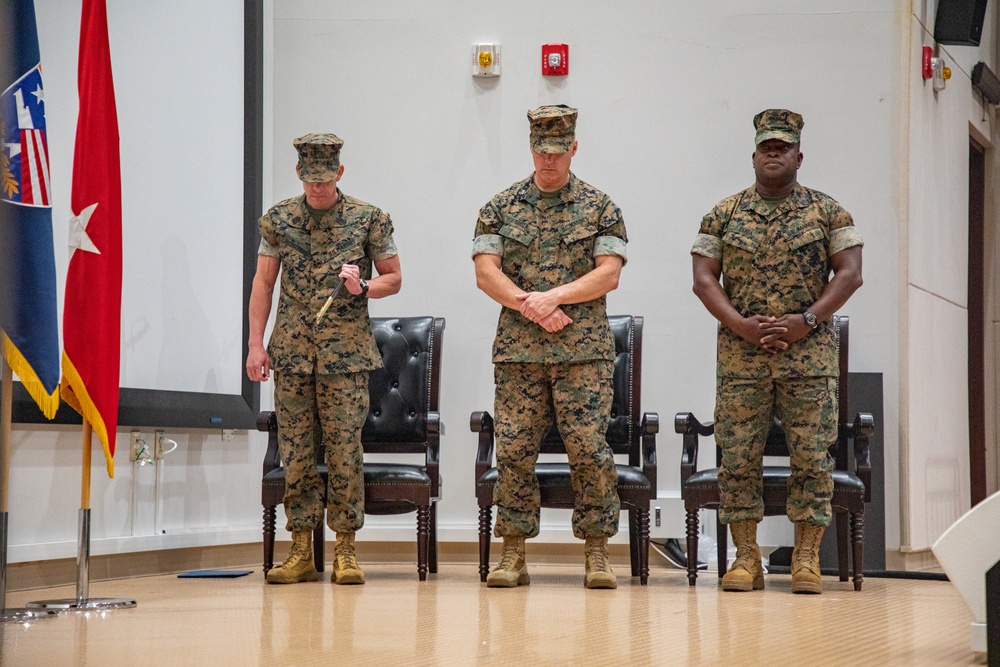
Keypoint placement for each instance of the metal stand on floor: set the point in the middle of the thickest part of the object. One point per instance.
(6, 401)
(83, 601)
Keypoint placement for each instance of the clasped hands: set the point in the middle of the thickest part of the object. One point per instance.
(774, 334)
(543, 309)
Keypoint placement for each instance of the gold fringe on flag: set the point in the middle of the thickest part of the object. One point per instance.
(47, 403)
(74, 392)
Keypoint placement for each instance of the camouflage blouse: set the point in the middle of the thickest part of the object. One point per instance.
(311, 252)
(773, 263)
(545, 242)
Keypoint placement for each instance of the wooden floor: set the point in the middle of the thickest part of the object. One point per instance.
(452, 619)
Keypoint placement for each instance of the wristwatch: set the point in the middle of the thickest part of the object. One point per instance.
(810, 319)
(364, 290)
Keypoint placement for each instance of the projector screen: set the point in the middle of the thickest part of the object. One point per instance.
(187, 78)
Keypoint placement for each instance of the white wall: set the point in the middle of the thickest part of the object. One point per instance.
(666, 93)
(935, 486)
(179, 88)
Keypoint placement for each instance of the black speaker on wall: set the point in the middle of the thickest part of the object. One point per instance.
(959, 22)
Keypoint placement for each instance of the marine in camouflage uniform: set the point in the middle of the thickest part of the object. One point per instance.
(548, 249)
(775, 245)
(321, 363)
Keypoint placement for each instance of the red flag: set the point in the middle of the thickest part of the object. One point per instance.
(92, 312)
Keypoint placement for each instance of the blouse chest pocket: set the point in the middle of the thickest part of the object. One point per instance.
(578, 246)
(803, 236)
(742, 237)
(808, 250)
(519, 234)
(517, 248)
(739, 246)
(295, 246)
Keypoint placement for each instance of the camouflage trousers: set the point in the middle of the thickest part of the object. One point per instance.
(327, 409)
(807, 408)
(526, 395)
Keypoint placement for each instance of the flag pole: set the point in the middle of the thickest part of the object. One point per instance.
(83, 557)
(83, 599)
(6, 402)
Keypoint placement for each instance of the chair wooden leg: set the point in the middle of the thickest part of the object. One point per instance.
(722, 546)
(633, 541)
(432, 566)
(842, 519)
(485, 522)
(423, 517)
(269, 521)
(692, 545)
(858, 541)
(643, 545)
(319, 546)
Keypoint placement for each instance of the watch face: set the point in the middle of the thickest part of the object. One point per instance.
(810, 319)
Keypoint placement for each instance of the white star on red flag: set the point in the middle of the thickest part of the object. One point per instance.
(78, 238)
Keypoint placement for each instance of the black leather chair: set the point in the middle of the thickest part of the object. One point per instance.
(851, 476)
(403, 418)
(628, 434)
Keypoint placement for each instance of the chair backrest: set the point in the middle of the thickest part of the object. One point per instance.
(623, 429)
(776, 444)
(406, 388)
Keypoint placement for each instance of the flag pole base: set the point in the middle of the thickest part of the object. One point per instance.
(74, 604)
(14, 614)
(83, 601)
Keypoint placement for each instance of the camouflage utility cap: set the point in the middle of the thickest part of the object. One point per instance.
(319, 157)
(778, 124)
(553, 128)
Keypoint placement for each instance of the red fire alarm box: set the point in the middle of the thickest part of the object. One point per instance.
(555, 59)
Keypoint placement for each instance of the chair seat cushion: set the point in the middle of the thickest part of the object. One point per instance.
(387, 480)
(843, 480)
(375, 473)
(396, 473)
(557, 475)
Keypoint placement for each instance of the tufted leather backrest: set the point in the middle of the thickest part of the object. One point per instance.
(404, 390)
(623, 427)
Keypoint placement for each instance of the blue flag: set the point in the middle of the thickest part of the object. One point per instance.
(29, 327)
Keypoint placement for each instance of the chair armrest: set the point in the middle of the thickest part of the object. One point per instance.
(267, 421)
(861, 430)
(650, 426)
(433, 458)
(482, 423)
(686, 424)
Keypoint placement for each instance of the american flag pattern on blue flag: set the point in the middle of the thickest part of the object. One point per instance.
(29, 328)
(26, 178)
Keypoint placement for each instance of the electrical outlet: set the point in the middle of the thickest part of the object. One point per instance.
(135, 446)
(658, 516)
(159, 444)
(227, 435)
(162, 445)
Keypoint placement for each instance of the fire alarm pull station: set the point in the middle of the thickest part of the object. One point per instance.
(555, 59)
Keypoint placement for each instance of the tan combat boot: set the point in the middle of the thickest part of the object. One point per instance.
(598, 569)
(299, 564)
(747, 573)
(805, 558)
(511, 571)
(345, 564)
